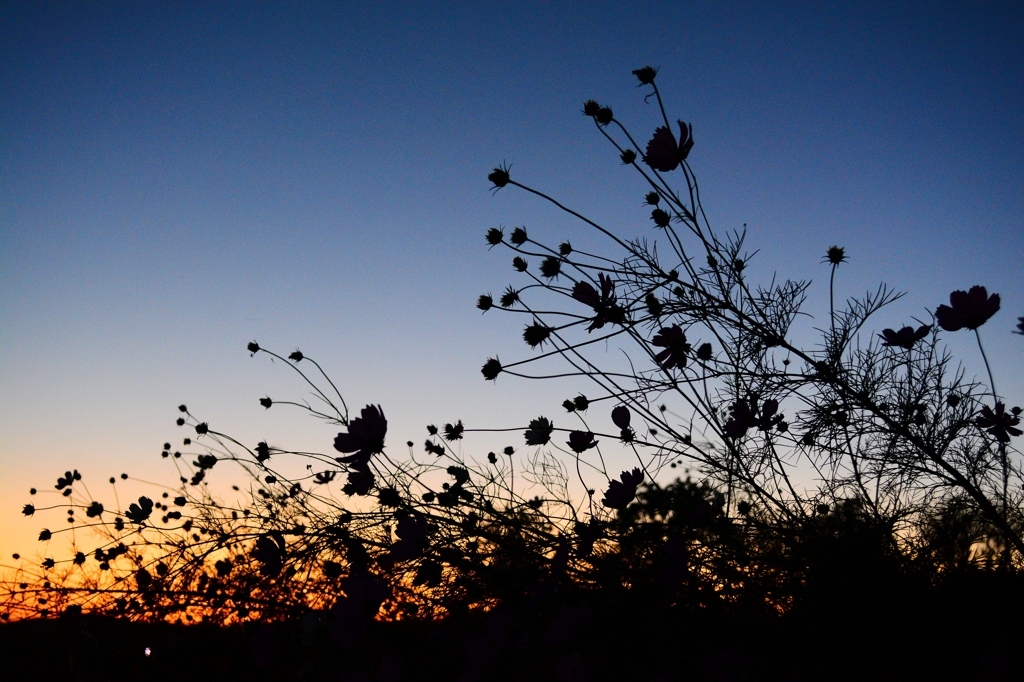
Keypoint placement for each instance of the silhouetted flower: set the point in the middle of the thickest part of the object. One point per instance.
(453, 431)
(620, 494)
(967, 309)
(603, 303)
(581, 441)
(491, 369)
(485, 302)
(835, 255)
(565, 248)
(499, 176)
(325, 477)
(998, 423)
(743, 416)
(673, 340)
(48, 564)
(519, 263)
(581, 403)
(360, 480)
(68, 479)
(182, 408)
(539, 432)
(704, 352)
(664, 153)
(95, 509)
(79, 558)
(906, 337)
(518, 237)
(180, 501)
(141, 511)
(536, 334)
(569, 405)
(590, 108)
(205, 461)
(266, 402)
(297, 356)
(604, 116)
(28, 510)
(1020, 326)
(269, 551)
(389, 497)
(628, 156)
(202, 428)
(551, 267)
(253, 347)
(45, 534)
(365, 436)
(494, 236)
(645, 75)
(412, 537)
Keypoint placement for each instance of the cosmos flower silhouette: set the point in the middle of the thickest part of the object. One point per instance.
(743, 416)
(664, 153)
(906, 337)
(621, 493)
(581, 441)
(998, 423)
(673, 340)
(1020, 326)
(967, 309)
(603, 303)
(365, 436)
(141, 511)
(539, 432)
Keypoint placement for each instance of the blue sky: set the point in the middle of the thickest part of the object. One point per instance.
(179, 179)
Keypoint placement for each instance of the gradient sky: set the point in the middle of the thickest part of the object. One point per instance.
(178, 179)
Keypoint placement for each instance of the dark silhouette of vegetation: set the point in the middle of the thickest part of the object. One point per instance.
(860, 495)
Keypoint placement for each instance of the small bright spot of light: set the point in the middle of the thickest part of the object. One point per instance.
(148, 652)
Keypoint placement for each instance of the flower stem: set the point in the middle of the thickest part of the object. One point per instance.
(991, 381)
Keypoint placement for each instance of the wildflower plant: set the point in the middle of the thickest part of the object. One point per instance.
(862, 435)
(894, 425)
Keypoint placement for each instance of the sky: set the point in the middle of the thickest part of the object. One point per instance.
(179, 179)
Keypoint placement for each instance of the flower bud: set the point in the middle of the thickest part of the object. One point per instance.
(494, 236)
(645, 75)
(660, 218)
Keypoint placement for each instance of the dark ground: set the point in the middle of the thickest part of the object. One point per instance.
(963, 634)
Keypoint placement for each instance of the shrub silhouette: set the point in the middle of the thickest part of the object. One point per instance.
(918, 484)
